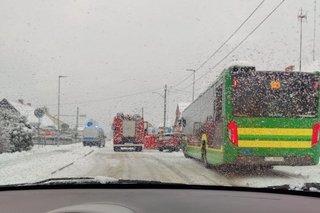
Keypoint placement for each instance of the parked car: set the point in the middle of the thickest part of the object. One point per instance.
(170, 141)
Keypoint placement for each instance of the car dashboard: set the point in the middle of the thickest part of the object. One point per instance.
(149, 198)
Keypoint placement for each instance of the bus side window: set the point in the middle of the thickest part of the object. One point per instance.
(218, 119)
(218, 103)
(184, 122)
(210, 131)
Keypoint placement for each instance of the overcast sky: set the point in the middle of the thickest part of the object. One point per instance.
(110, 49)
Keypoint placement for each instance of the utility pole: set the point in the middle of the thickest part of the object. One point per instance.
(38, 131)
(76, 135)
(165, 108)
(58, 132)
(142, 112)
(194, 74)
(301, 17)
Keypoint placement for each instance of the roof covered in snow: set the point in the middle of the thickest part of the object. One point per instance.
(240, 63)
(183, 106)
(28, 111)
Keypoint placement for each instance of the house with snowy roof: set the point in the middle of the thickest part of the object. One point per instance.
(47, 121)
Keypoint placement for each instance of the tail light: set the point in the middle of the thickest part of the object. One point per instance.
(235, 83)
(233, 133)
(315, 134)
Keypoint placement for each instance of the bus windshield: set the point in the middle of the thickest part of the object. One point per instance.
(275, 94)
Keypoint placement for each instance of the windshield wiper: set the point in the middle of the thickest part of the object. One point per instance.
(102, 182)
(306, 187)
(87, 181)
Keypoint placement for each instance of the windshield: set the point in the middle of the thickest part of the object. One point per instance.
(178, 91)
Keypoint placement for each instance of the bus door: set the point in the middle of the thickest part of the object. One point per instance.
(198, 131)
(210, 131)
(218, 118)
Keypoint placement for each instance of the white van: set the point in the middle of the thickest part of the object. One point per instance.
(93, 136)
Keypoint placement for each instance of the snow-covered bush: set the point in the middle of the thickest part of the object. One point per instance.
(15, 132)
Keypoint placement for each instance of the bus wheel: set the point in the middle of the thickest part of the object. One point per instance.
(204, 158)
(161, 149)
(185, 152)
(116, 149)
(266, 167)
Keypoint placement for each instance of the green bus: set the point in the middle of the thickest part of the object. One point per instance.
(255, 118)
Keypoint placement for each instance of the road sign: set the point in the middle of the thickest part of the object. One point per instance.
(89, 124)
(64, 127)
(38, 112)
(169, 129)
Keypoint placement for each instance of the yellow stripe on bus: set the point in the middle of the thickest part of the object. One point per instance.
(275, 144)
(273, 131)
(198, 147)
(216, 150)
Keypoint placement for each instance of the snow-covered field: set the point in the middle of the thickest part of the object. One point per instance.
(38, 163)
(77, 161)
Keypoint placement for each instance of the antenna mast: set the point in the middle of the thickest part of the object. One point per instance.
(314, 36)
(300, 18)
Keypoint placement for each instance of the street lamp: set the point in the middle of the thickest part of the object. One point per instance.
(58, 132)
(194, 73)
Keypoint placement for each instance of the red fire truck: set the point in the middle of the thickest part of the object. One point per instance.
(128, 132)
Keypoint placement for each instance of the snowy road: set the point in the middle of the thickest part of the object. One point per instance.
(78, 161)
(145, 165)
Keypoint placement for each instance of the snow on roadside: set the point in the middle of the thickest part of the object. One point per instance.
(38, 163)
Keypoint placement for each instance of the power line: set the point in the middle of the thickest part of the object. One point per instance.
(230, 36)
(240, 42)
(154, 103)
(106, 99)
(222, 44)
(179, 91)
(182, 81)
(151, 105)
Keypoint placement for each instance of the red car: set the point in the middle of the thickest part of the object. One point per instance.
(170, 141)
